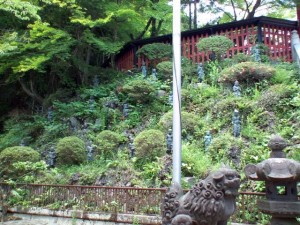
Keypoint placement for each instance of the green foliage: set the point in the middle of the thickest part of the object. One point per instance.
(195, 162)
(217, 44)
(23, 10)
(16, 154)
(247, 72)
(238, 58)
(156, 51)
(282, 76)
(165, 69)
(70, 150)
(29, 172)
(294, 153)
(220, 147)
(149, 144)
(140, 91)
(188, 69)
(108, 143)
(80, 109)
(36, 49)
(150, 172)
(273, 97)
(189, 122)
(103, 44)
(212, 69)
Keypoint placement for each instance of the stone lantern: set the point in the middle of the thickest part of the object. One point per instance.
(281, 176)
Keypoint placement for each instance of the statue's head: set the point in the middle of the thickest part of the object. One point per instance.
(228, 179)
(236, 82)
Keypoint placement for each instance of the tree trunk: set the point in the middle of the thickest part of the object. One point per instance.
(190, 15)
(153, 28)
(195, 14)
(31, 92)
(252, 12)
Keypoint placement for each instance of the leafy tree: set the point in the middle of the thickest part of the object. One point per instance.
(217, 45)
(233, 10)
(66, 42)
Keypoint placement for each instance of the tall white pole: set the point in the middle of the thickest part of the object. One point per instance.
(176, 92)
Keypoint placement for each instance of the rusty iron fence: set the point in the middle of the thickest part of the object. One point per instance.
(126, 200)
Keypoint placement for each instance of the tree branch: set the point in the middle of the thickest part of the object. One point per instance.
(234, 10)
(32, 93)
(143, 32)
(252, 12)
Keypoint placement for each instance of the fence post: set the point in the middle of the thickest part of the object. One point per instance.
(295, 41)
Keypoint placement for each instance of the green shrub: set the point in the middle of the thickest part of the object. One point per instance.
(165, 69)
(246, 72)
(155, 51)
(225, 107)
(29, 172)
(149, 144)
(282, 76)
(108, 142)
(189, 122)
(21, 128)
(238, 58)
(194, 161)
(70, 150)
(15, 154)
(140, 91)
(217, 44)
(189, 69)
(271, 98)
(221, 146)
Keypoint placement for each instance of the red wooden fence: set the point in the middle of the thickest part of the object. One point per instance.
(275, 33)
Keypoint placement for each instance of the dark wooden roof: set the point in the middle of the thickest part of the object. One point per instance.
(216, 28)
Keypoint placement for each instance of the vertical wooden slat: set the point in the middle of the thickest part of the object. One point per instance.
(193, 43)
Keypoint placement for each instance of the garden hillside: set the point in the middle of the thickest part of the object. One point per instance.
(112, 130)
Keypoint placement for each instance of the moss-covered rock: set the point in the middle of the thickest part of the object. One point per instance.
(70, 150)
(15, 154)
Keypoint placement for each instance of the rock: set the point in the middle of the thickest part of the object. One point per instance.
(161, 93)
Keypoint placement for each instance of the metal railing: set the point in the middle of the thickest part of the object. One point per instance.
(126, 200)
(88, 198)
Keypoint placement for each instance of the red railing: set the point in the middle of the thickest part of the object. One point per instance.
(126, 200)
(275, 33)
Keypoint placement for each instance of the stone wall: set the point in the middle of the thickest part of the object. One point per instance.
(71, 217)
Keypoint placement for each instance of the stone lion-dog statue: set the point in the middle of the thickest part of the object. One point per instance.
(209, 202)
